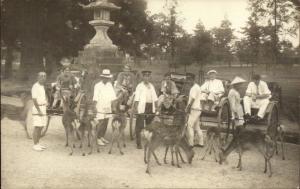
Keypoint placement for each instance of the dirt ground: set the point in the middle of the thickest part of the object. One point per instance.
(21, 167)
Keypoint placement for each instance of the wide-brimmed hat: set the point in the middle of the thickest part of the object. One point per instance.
(237, 80)
(212, 71)
(127, 68)
(106, 73)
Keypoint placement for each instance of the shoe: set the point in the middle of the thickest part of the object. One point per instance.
(139, 146)
(104, 140)
(257, 118)
(100, 142)
(37, 148)
(247, 116)
(42, 146)
(198, 145)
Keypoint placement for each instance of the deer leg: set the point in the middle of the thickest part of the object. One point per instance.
(265, 171)
(118, 142)
(176, 153)
(112, 141)
(215, 152)
(68, 140)
(156, 159)
(166, 152)
(123, 137)
(240, 159)
(172, 152)
(207, 148)
(282, 149)
(270, 168)
(148, 161)
(67, 136)
(145, 152)
(182, 160)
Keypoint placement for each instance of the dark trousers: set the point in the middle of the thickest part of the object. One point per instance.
(139, 126)
(102, 127)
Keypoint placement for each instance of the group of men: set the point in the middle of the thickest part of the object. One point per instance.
(147, 103)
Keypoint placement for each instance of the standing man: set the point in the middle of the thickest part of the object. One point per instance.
(194, 111)
(234, 97)
(39, 114)
(126, 80)
(212, 90)
(104, 94)
(257, 96)
(145, 102)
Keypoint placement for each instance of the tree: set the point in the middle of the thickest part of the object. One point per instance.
(223, 38)
(202, 45)
(132, 27)
(44, 29)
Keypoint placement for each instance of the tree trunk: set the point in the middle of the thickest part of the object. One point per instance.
(51, 64)
(8, 62)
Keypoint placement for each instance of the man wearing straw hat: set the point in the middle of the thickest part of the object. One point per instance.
(39, 114)
(145, 102)
(104, 94)
(211, 90)
(234, 98)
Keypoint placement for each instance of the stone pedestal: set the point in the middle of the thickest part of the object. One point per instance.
(100, 53)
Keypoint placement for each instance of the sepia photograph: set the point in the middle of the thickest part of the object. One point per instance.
(150, 94)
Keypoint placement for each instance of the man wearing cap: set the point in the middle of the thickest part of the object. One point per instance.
(194, 111)
(234, 98)
(126, 80)
(257, 96)
(211, 90)
(104, 94)
(145, 102)
(169, 92)
(39, 114)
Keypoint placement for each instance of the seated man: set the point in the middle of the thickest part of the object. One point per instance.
(257, 96)
(169, 93)
(65, 82)
(211, 90)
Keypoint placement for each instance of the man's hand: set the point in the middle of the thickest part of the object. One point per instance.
(205, 91)
(188, 109)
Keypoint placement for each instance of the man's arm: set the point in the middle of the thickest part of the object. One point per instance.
(267, 92)
(37, 106)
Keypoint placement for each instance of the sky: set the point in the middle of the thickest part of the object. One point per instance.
(210, 12)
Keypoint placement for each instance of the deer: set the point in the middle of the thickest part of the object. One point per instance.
(158, 134)
(243, 139)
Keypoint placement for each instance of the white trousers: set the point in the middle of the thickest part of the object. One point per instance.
(239, 114)
(194, 127)
(211, 96)
(261, 104)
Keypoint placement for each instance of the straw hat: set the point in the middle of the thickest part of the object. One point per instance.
(106, 73)
(212, 71)
(237, 80)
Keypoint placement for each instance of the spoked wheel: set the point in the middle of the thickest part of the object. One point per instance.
(273, 121)
(45, 129)
(224, 119)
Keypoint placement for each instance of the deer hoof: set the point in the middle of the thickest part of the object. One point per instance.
(148, 172)
(90, 153)
(80, 146)
(98, 150)
(66, 145)
(74, 146)
(165, 161)
(122, 153)
(178, 166)
(124, 145)
(173, 164)
(109, 152)
(71, 153)
(270, 175)
(83, 154)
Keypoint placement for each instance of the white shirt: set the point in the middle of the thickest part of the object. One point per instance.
(142, 93)
(195, 94)
(215, 86)
(234, 98)
(38, 92)
(104, 94)
(261, 89)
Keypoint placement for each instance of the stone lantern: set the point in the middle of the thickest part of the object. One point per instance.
(101, 51)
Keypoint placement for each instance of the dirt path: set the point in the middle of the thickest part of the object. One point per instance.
(24, 168)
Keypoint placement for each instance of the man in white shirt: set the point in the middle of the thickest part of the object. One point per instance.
(104, 94)
(39, 114)
(194, 110)
(211, 90)
(145, 102)
(257, 96)
(234, 97)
